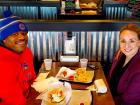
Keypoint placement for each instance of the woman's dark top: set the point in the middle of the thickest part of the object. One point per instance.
(117, 73)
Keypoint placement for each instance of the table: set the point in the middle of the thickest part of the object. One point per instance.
(98, 99)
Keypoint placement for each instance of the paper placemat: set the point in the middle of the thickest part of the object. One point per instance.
(81, 96)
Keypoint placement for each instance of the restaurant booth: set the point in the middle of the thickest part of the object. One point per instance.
(96, 34)
(98, 31)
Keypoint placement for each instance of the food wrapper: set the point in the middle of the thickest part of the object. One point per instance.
(100, 85)
(65, 72)
(42, 85)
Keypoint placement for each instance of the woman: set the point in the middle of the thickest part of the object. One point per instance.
(124, 76)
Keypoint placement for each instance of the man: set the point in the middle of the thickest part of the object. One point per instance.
(16, 61)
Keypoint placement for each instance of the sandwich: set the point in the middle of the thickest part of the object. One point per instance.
(56, 95)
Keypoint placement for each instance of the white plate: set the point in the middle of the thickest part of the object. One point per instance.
(68, 93)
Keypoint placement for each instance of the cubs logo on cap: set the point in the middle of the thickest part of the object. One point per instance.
(21, 26)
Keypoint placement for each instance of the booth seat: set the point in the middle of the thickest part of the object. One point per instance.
(96, 40)
(97, 46)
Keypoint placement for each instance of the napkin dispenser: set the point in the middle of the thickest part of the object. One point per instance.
(69, 60)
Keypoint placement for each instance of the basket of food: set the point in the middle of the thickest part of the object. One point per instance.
(79, 75)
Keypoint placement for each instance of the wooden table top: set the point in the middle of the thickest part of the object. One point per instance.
(98, 99)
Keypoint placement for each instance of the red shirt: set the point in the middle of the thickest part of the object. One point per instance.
(16, 75)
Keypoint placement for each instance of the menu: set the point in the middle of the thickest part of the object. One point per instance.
(131, 3)
(79, 7)
(69, 6)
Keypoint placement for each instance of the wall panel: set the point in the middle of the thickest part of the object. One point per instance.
(94, 45)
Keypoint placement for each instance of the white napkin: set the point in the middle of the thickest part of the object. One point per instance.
(41, 76)
(100, 85)
(92, 88)
(42, 85)
(69, 58)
